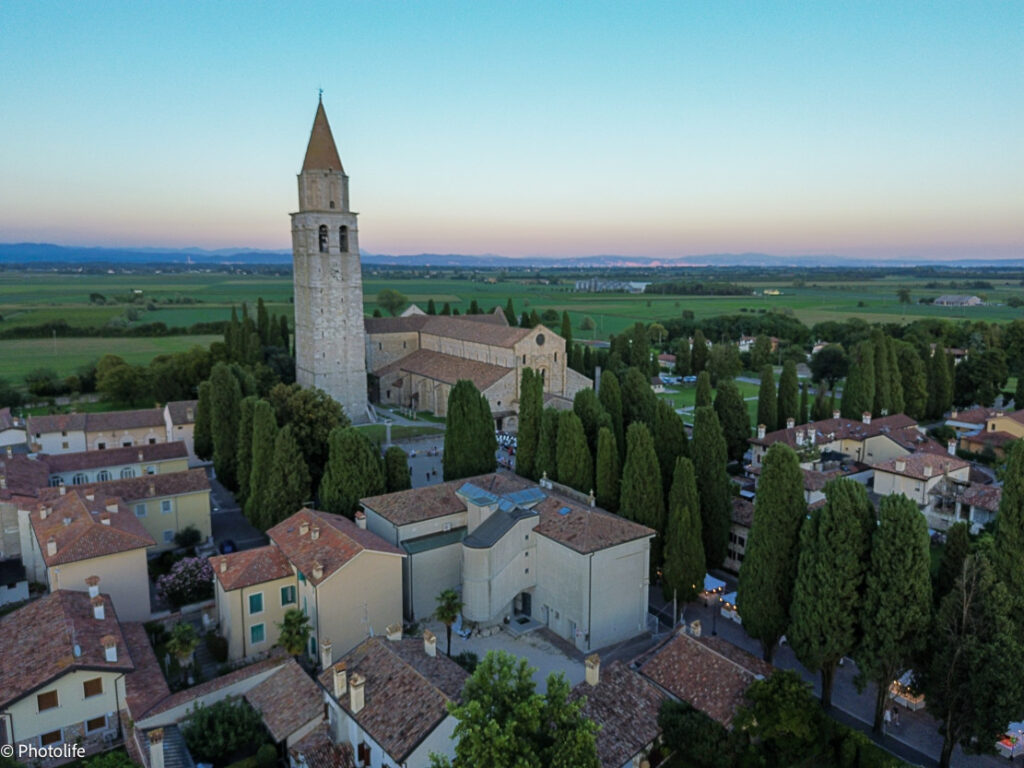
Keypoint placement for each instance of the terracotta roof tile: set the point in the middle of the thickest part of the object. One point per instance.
(446, 368)
(339, 540)
(75, 523)
(998, 439)
(183, 411)
(7, 421)
(418, 504)
(837, 429)
(115, 421)
(477, 332)
(742, 511)
(22, 476)
(277, 658)
(985, 497)
(69, 462)
(405, 694)
(55, 422)
(583, 528)
(709, 673)
(145, 685)
(405, 324)
(287, 700)
(37, 642)
(916, 465)
(976, 415)
(251, 566)
(318, 750)
(321, 152)
(625, 705)
(147, 486)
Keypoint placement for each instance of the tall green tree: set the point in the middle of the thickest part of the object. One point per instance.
(940, 383)
(510, 313)
(202, 434)
(897, 401)
(709, 459)
(286, 334)
(821, 408)
(951, 564)
(859, 392)
(575, 464)
(607, 470)
(789, 395)
(592, 416)
(734, 418)
(264, 436)
(670, 441)
(767, 400)
(610, 396)
(312, 414)
(803, 415)
(826, 608)
(698, 352)
(896, 610)
(703, 394)
(289, 488)
(470, 444)
(882, 401)
(225, 399)
(546, 461)
(683, 574)
(967, 685)
(769, 568)
(638, 399)
(641, 498)
(354, 471)
(761, 352)
(531, 408)
(724, 362)
(913, 380)
(432, 309)
(396, 470)
(566, 330)
(391, 300)
(503, 721)
(1008, 552)
(244, 442)
(262, 322)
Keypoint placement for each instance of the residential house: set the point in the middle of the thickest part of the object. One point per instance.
(957, 300)
(388, 699)
(62, 679)
(85, 467)
(952, 500)
(80, 538)
(20, 481)
(667, 361)
(923, 478)
(56, 433)
(624, 704)
(995, 433)
(514, 547)
(739, 533)
(73, 432)
(180, 422)
(318, 750)
(12, 429)
(290, 703)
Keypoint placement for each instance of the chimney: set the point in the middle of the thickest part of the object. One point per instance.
(951, 447)
(901, 465)
(591, 499)
(10, 452)
(156, 748)
(104, 519)
(112, 507)
(761, 429)
(790, 422)
(340, 680)
(314, 532)
(303, 528)
(355, 693)
(110, 647)
(429, 643)
(140, 456)
(90, 496)
(361, 519)
(223, 565)
(93, 583)
(97, 608)
(51, 546)
(866, 417)
(190, 414)
(953, 413)
(927, 470)
(799, 437)
(325, 653)
(152, 489)
(592, 665)
(394, 632)
(812, 435)
(318, 571)
(63, 488)
(1000, 414)
(695, 627)
(835, 414)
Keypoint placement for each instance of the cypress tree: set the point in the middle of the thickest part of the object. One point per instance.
(1009, 539)
(1018, 393)
(859, 391)
(576, 358)
(232, 336)
(789, 396)
(531, 408)
(547, 445)
(638, 399)
(524, 320)
(244, 442)
(703, 394)
(534, 318)
(768, 571)
(607, 470)
(510, 312)
(826, 608)
(264, 436)
(641, 498)
(734, 418)
(432, 307)
(699, 352)
(683, 574)
(396, 470)
(955, 551)
(202, 434)
(354, 471)
(225, 396)
(285, 335)
(474, 308)
(670, 441)
(897, 603)
(820, 409)
(767, 405)
(586, 405)
(913, 381)
(566, 330)
(262, 322)
(588, 362)
(940, 383)
(470, 444)
(897, 404)
(761, 352)
(709, 460)
(804, 415)
(882, 400)
(446, 309)
(288, 489)
(575, 465)
(610, 397)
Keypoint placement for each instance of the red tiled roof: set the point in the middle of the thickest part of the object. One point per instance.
(985, 497)
(837, 429)
(69, 462)
(251, 566)
(55, 422)
(39, 639)
(115, 421)
(916, 464)
(585, 529)
(318, 750)
(183, 411)
(480, 333)
(75, 523)
(7, 421)
(22, 476)
(145, 487)
(145, 685)
(278, 656)
(997, 439)
(976, 415)
(339, 541)
(405, 694)
(287, 700)
(446, 368)
(742, 511)
(709, 673)
(406, 324)
(625, 705)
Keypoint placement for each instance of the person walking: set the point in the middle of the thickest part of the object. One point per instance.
(896, 716)
(888, 720)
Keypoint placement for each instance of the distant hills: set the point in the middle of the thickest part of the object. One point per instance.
(28, 254)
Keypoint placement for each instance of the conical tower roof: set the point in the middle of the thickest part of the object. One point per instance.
(321, 154)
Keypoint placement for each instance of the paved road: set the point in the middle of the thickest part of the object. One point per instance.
(227, 520)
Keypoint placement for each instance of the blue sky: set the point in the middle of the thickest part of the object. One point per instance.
(555, 128)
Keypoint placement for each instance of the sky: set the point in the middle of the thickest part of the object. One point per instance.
(558, 128)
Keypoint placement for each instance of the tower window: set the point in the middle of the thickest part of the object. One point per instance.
(332, 203)
(323, 238)
(343, 239)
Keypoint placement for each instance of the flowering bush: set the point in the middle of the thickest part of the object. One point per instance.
(189, 581)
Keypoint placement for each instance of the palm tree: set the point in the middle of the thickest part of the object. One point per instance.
(449, 606)
(294, 631)
(182, 643)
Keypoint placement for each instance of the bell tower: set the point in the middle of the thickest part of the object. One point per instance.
(330, 350)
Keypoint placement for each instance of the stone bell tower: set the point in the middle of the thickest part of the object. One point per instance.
(330, 347)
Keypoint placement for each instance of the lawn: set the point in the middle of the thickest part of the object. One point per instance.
(377, 433)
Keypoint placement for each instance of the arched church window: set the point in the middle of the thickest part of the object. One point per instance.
(343, 239)
(323, 238)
